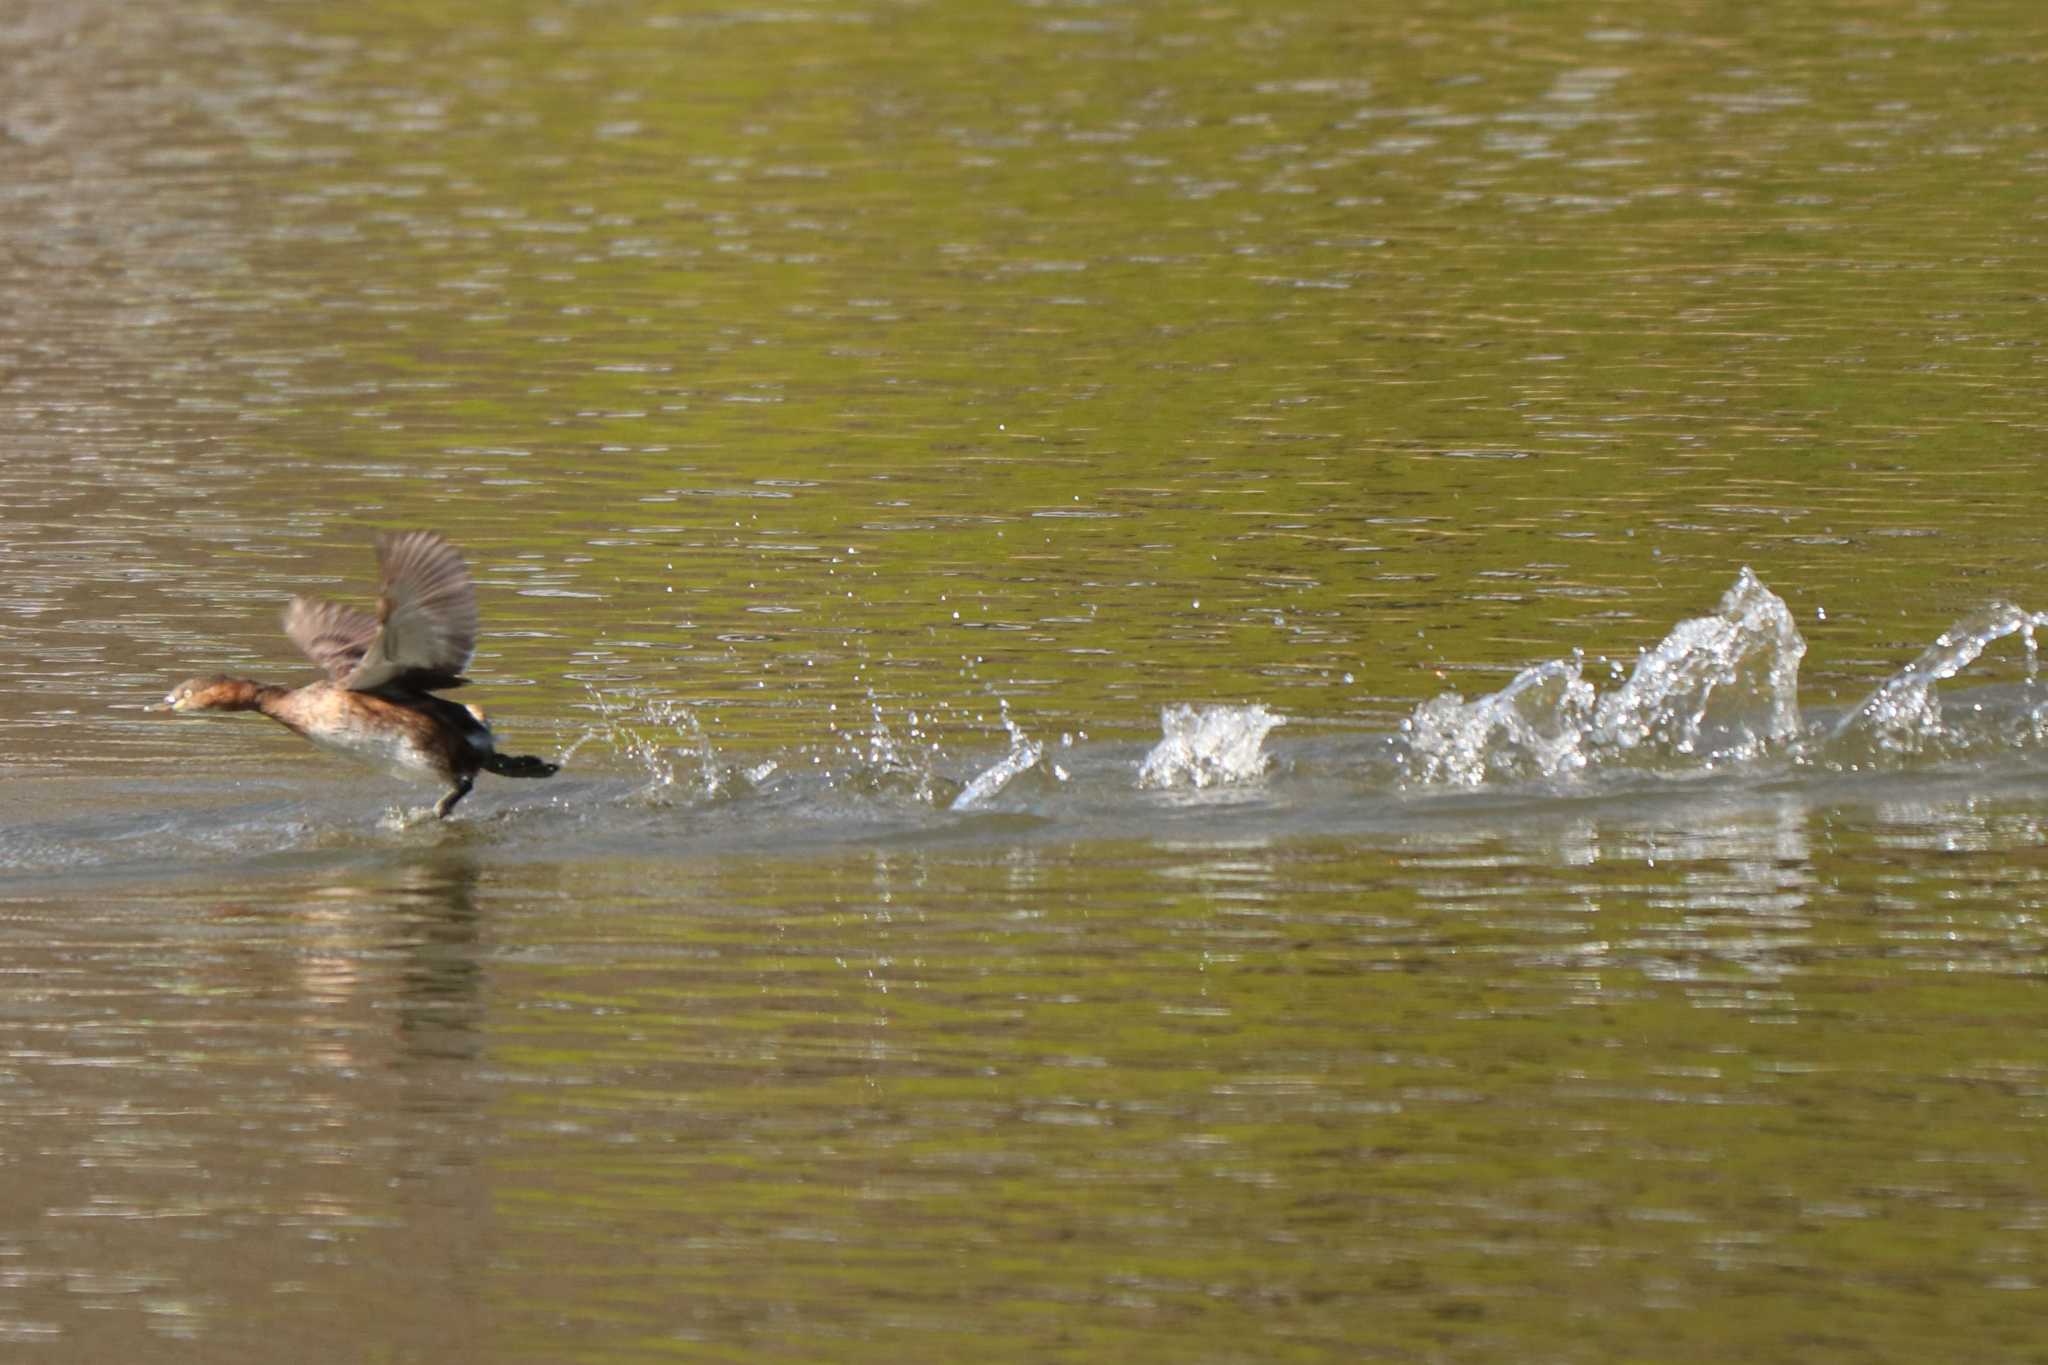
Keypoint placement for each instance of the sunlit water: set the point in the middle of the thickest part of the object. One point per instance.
(1233, 685)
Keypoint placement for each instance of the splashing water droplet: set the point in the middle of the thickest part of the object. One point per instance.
(1903, 714)
(1718, 688)
(1208, 746)
(1533, 727)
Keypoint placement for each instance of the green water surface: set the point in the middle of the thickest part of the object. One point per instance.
(787, 370)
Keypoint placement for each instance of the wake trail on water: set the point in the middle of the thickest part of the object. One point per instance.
(1719, 694)
(1711, 709)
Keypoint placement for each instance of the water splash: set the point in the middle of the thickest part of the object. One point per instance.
(1023, 755)
(1535, 727)
(1208, 746)
(1725, 685)
(1717, 689)
(1903, 714)
(886, 764)
(665, 740)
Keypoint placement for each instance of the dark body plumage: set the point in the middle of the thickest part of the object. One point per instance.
(377, 700)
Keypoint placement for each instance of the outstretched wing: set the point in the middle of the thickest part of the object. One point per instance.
(426, 614)
(334, 637)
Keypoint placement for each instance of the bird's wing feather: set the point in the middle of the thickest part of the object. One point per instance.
(334, 637)
(426, 614)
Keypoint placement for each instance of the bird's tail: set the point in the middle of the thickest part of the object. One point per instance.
(519, 765)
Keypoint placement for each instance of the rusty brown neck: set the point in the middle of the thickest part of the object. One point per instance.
(241, 694)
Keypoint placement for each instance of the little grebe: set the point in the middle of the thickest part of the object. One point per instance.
(376, 701)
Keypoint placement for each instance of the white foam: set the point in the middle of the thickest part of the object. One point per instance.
(1208, 746)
